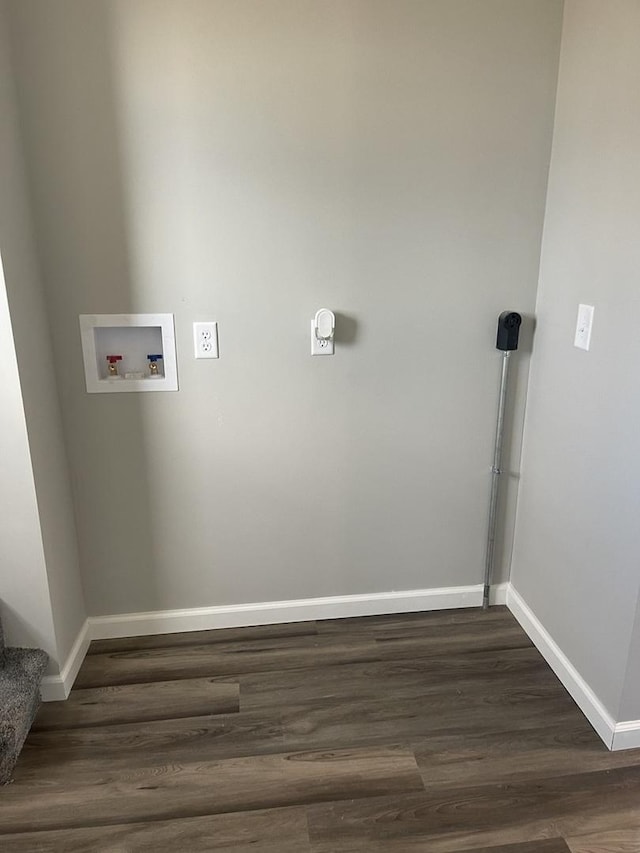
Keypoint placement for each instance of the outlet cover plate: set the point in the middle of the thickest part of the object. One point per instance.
(320, 347)
(205, 340)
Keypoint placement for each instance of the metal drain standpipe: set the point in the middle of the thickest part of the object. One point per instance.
(506, 342)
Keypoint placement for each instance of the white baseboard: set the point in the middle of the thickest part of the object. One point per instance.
(57, 687)
(296, 610)
(626, 735)
(499, 593)
(579, 690)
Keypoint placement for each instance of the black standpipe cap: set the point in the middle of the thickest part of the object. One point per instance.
(509, 323)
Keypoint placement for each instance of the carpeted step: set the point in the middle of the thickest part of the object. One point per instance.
(21, 672)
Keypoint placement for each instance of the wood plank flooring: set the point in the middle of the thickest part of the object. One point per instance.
(440, 732)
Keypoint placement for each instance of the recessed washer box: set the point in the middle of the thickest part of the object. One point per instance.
(132, 338)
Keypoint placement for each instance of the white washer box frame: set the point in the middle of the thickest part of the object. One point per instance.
(95, 385)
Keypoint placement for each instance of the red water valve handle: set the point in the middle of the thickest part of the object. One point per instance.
(112, 359)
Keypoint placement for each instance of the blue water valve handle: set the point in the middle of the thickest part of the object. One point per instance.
(153, 365)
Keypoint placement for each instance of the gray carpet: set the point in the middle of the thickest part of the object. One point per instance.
(21, 672)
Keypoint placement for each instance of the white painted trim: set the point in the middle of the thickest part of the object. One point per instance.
(583, 695)
(626, 735)
(57, 687)
(273, 612)
(499, 593)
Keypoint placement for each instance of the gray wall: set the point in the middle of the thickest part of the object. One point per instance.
(37, 374)
(24, 593)
(250, 162)
(577, 552)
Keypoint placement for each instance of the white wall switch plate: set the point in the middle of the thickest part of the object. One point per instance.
(583, 327)
(205, 340)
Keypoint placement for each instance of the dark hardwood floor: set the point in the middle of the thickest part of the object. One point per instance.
(433, 732)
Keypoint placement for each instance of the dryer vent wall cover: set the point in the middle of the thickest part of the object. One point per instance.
(509, 323)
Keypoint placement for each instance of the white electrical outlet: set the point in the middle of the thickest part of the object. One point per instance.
(320, 346)
(584, 325)
(205, 340)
